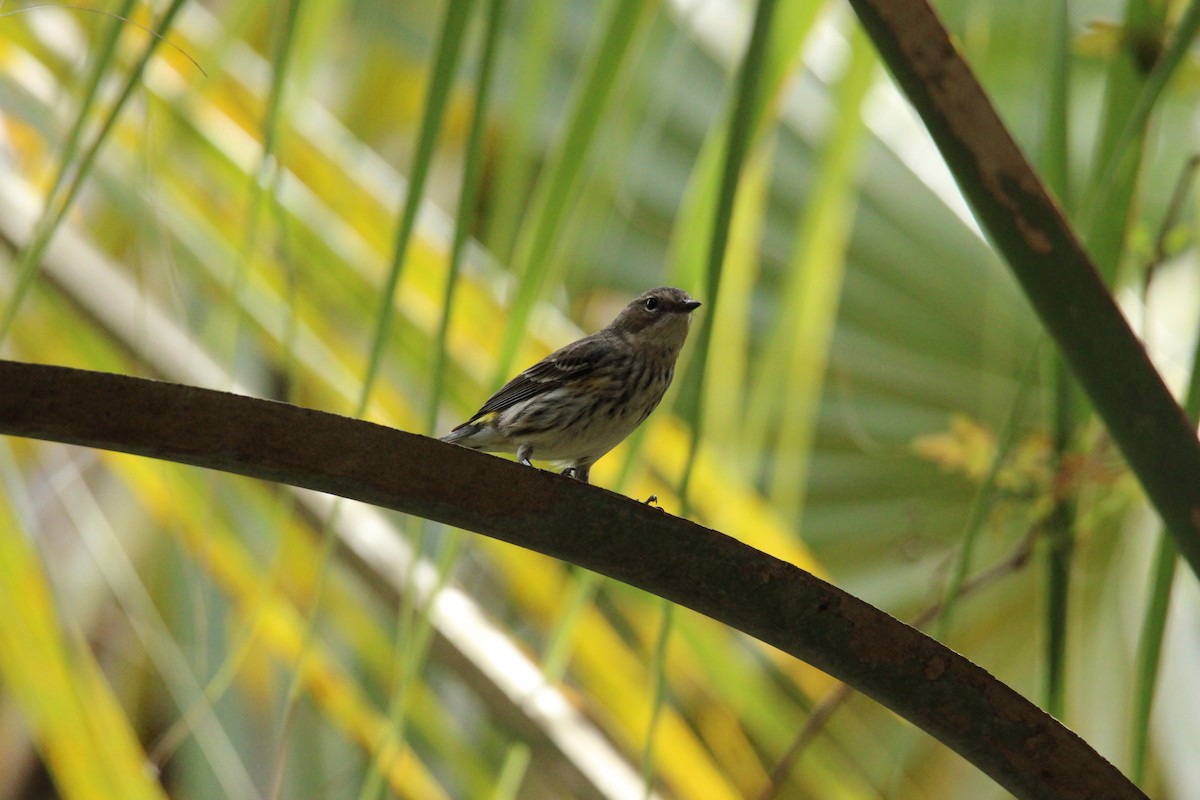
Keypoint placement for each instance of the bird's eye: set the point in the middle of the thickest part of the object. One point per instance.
(651, 303)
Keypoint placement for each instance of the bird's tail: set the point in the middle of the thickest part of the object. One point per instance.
(477, 435)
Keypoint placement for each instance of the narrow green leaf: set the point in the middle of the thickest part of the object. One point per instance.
(741, 131)
(730, 349)
(556, 190)
(798, 350)
(515, 155)
(1056, 147)
(1122, 146)
(981, 504)
(1154, 626)
(692, 231)
(450, 40)
(467, 198)
(1111, 191)
(27, 262)
(1154, 622)
(658, 669)
(105, 53)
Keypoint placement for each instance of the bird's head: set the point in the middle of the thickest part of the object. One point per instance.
(659, 316)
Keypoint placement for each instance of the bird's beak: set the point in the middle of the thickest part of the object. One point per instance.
(691, 305)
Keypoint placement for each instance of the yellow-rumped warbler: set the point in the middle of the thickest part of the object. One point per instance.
(579, 402)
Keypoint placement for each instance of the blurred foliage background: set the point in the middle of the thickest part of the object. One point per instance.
(387, 208)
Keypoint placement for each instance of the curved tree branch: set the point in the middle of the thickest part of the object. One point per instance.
(1047, 259)
(1006, 736)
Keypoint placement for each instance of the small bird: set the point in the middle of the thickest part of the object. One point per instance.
(579, 402)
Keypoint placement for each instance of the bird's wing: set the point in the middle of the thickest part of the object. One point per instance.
(576, 360)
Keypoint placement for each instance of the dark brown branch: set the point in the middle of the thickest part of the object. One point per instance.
(1002, 733)
(836, 697)
(1058, 278)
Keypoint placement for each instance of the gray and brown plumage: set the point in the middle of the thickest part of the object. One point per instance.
(581, 401)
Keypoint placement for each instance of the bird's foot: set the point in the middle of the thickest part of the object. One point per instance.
(578, 473)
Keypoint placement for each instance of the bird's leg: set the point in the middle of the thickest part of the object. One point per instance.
(524, 452)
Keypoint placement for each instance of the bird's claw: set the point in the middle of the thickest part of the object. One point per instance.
(652, 501)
